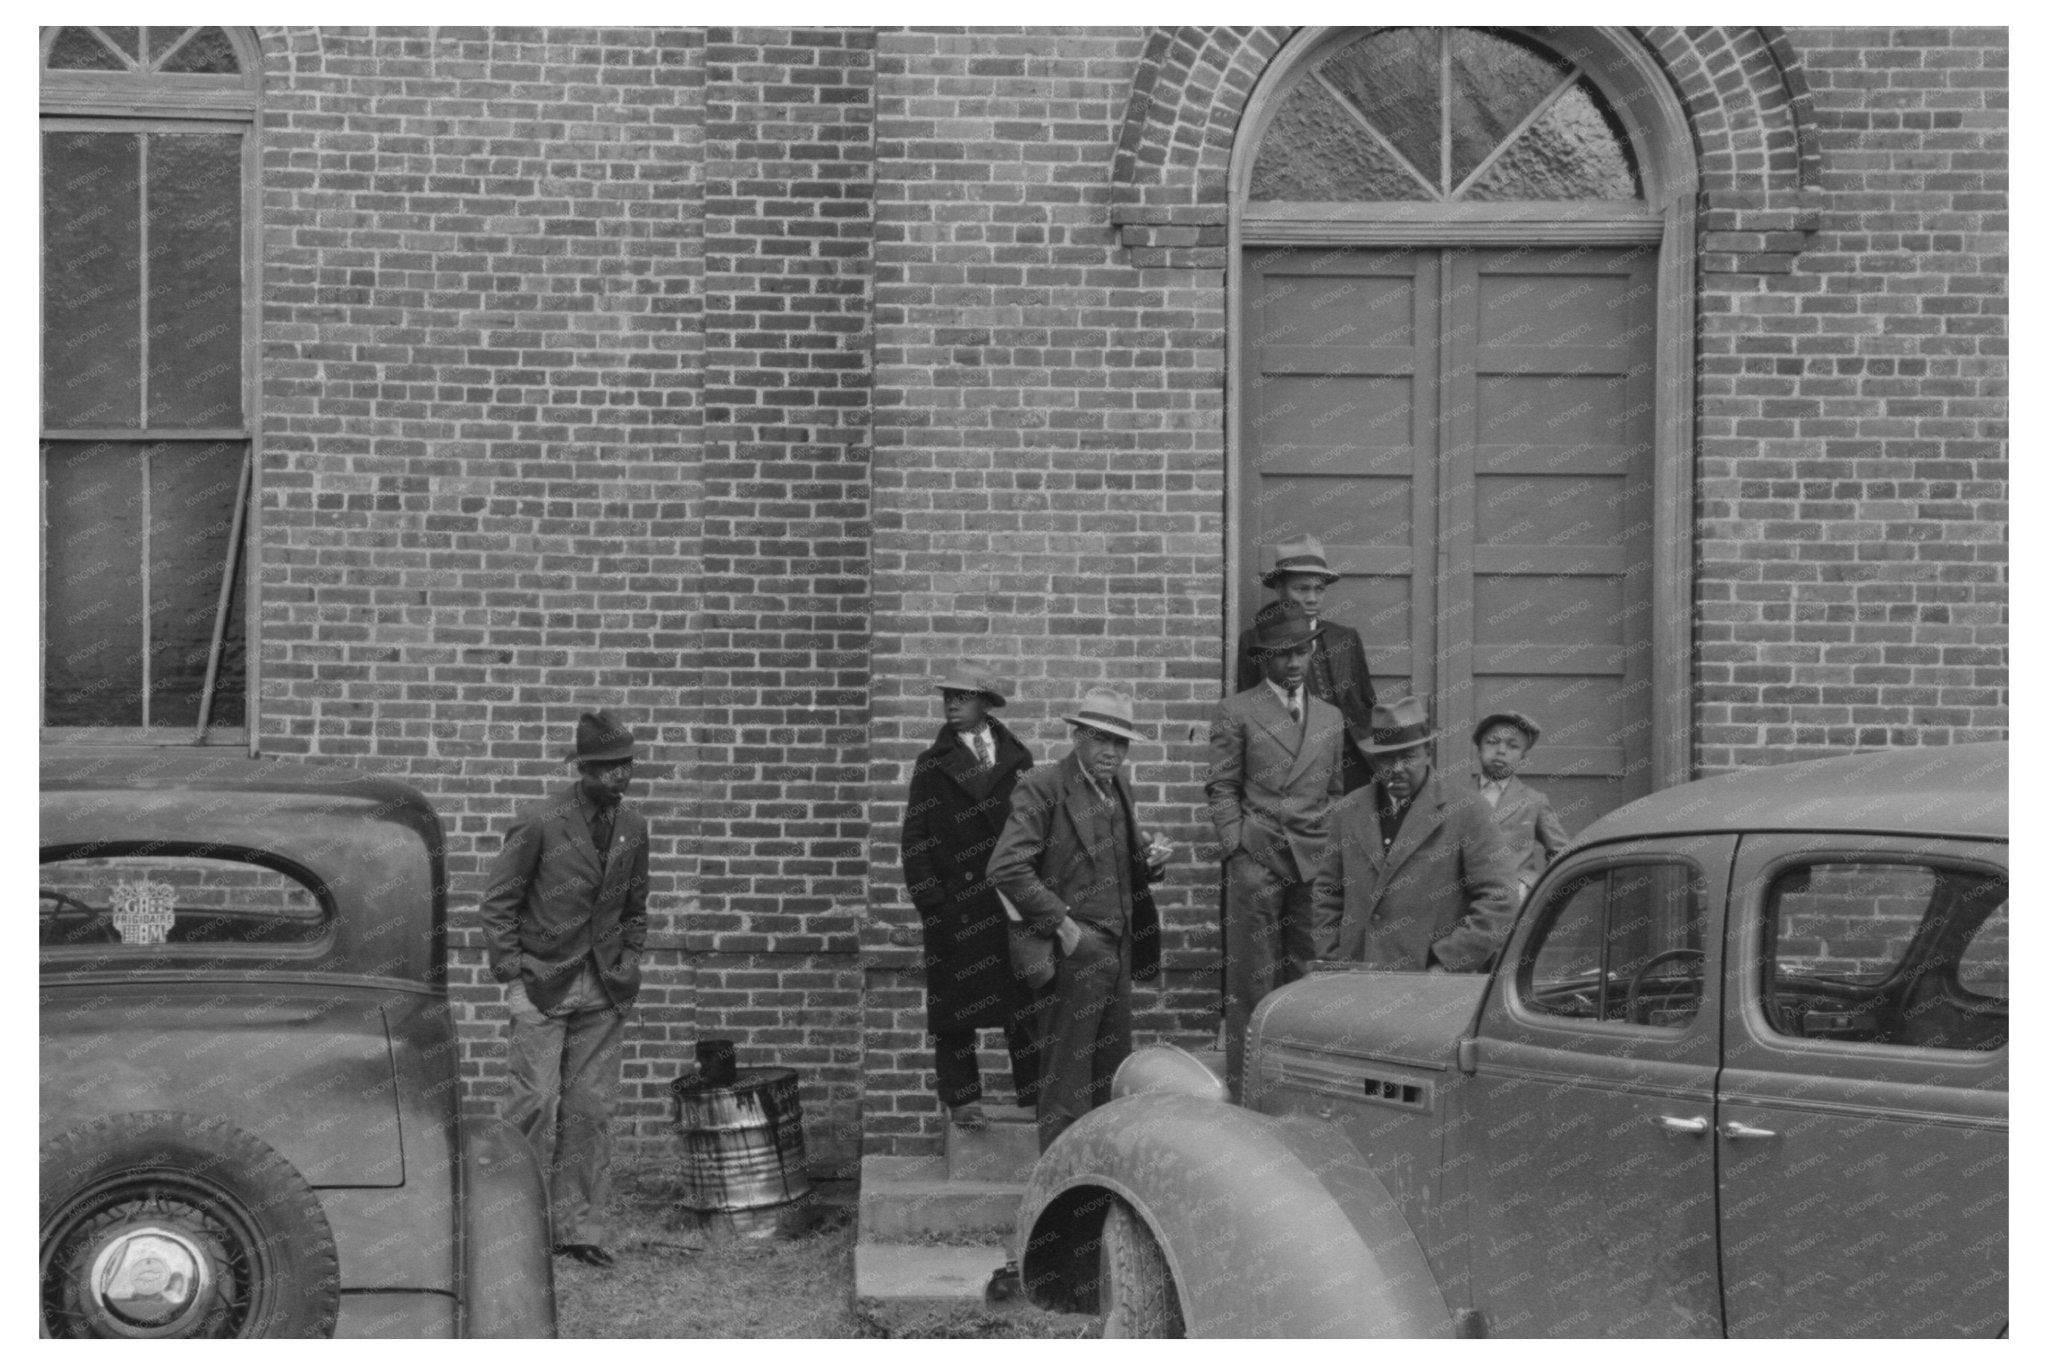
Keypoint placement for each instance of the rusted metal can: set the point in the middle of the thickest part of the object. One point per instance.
(742, 1146)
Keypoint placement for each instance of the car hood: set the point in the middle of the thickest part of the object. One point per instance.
(310, 1073)
(1411, 1018)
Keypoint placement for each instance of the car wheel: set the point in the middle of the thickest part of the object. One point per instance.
(163, 1224)
(1138, 1297)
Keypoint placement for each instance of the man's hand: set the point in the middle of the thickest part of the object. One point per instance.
(1158, 848)
(1069, 934)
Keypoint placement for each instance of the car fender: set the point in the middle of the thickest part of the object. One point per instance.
(1272, 1227)
(508, 1272)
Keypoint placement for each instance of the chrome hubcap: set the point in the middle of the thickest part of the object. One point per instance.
(150, 1278)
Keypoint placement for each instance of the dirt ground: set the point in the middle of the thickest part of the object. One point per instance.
(674, 1279)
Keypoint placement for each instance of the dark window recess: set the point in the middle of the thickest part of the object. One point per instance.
(1620, 945)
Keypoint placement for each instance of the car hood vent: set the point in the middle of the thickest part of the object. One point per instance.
(1348, 1078)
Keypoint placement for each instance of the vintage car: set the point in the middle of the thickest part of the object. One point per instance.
(1741, 1070)
(249, 1106)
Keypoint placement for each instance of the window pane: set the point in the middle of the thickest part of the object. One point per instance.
(92, 583)
(195, 280)
(129, 40)
(1575, 151)
(1866, 952)
(76, 49)
(1623, 946)
(1316, 151)
(140, 902)
(1394, 79)
(192, 511)
(92, 241)
(206, 52)
(1495, 84)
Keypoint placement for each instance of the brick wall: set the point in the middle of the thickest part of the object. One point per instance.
(1852, 476)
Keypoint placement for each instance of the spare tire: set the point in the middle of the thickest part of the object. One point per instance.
(163, 1225)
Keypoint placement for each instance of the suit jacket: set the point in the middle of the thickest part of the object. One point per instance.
(1530, 828)
(1271, 781)
(550, 902)
(1337, 673)
(1445, 890)
(1054, 859)
(955, 814)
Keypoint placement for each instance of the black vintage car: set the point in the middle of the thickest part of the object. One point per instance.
(249, 1109)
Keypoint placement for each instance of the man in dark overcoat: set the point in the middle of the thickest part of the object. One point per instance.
(959, 798)
(565, 920)
(1078, 869)
(1337, 671)
(1415, 876)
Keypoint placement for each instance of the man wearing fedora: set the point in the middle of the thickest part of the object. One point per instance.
(565, 919)
(1337, 672)
(1078, 869)
(1416, 876)
(959, 800)
(1276, 762)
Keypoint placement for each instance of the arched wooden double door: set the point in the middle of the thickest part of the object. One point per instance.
(1470, 425)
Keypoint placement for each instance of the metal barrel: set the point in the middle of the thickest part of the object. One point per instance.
(743, 1143)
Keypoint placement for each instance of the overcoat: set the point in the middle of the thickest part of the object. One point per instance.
(1533, 833)
(1337, 673)
(955, 814)
(549, 901)
(1271, 780)
(1448, 883)
(1049, 866)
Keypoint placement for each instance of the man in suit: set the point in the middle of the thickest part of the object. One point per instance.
(1415, 876)
(959, 800)
(565, 920)
(1337, 672)
(1074, 863)
(1530, 828)
(1276, 762)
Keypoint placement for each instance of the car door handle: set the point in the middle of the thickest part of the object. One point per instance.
(1743, 1130)
(1671, 1123)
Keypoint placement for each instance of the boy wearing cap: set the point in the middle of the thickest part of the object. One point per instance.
(565, 919)
(1276, 762)
(1337, 671)
(1532, 831)
(1075, 864)
(1415, 876)
(959, 800)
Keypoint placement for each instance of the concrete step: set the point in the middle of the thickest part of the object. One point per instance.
(1006, 1149)
(906, 1277)
(908, 1198)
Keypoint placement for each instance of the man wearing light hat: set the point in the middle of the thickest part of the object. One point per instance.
(1276, 762)
(1337, 671)
(565, 920)
(959, 801)
(1416, 876)
(1078, 869)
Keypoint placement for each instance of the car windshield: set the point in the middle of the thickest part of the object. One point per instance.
(155, 901)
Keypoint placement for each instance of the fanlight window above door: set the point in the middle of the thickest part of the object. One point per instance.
(180, 49)
(1442, 115)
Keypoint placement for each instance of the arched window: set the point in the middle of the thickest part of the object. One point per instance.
(1462, 363)
(146, 407)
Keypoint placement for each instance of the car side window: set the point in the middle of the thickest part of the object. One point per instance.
(139, 902)
(1888, 953)
(1620, 944)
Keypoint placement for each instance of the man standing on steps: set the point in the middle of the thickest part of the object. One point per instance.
(959, 801)
(565, 919)
(1079, 871)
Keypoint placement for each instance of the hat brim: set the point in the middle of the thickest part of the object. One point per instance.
(1271, 577)
(1522, 723)
(1367, 748)
(962, 685)
(1259, 650)
(1107, 727)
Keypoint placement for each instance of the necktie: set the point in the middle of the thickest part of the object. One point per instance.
(1294, 704)
(601, 830)
(981, 753)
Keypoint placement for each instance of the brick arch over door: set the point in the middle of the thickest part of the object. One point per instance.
(1744, 91)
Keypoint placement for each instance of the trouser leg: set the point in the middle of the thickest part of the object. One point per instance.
(1025, 1035)
(1253, 956)
(533, 1075)
(955, 1067)
(581, 1185)
(1113, 1034)
(1297, 937)
(1083, 992)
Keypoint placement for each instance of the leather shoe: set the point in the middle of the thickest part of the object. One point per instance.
(586, 1253)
